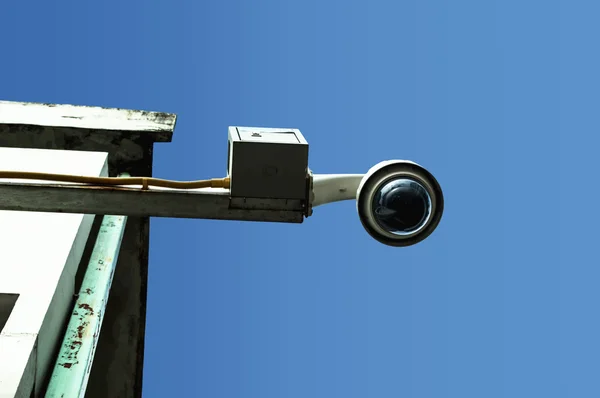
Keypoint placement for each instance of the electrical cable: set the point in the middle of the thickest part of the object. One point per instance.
(145, 182)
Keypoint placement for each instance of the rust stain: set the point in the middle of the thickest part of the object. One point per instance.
(88, 291)
(74, 344)
(80, 331)
(87, 307)
(66, 365)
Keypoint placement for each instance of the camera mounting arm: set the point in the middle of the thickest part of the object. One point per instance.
(329, 188)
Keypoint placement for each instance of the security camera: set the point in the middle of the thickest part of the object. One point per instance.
(399, 202)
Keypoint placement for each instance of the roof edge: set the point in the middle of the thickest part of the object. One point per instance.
(89, 118)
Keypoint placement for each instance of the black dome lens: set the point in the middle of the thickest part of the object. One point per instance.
(401, 206)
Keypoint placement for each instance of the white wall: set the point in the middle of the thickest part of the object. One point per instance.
(39, 257)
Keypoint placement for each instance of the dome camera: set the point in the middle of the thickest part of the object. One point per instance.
(399, 202)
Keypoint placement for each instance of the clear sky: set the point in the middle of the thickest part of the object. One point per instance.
(499, 99)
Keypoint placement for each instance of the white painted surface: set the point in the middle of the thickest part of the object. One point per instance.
(329, 188)
(40, 254)
(88, 117)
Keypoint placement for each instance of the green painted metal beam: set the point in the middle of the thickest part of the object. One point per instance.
(73, 365)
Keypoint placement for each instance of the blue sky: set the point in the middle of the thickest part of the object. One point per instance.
(499, 99)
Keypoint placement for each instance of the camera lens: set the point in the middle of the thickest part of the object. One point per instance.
(401, 206)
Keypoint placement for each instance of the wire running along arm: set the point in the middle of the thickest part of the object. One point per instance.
(116, 182)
